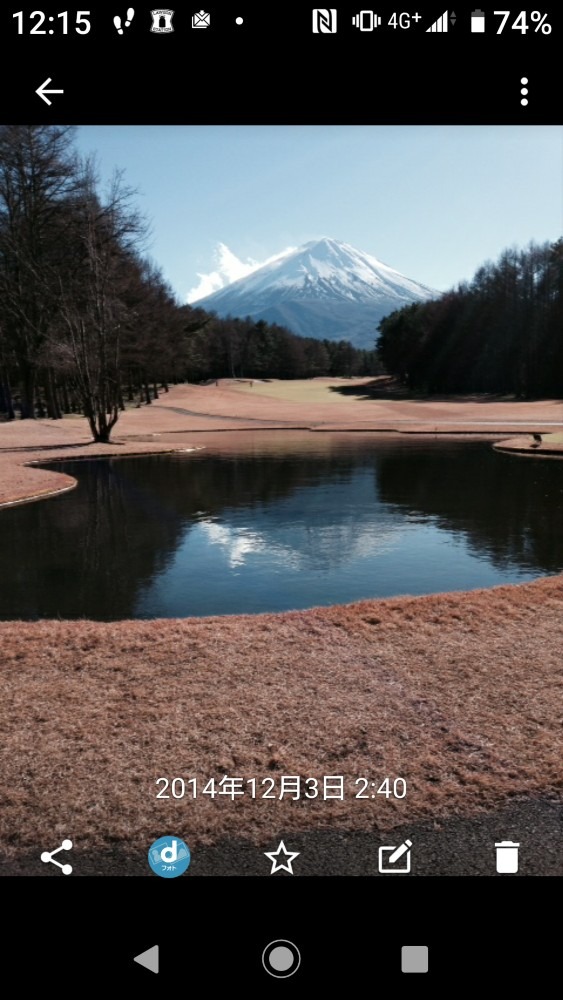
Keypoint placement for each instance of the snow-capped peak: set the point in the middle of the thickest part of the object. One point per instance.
(325, 288)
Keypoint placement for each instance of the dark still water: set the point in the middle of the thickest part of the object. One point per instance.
(291, 521)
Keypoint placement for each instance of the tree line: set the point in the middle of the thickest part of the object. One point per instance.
(248, 348)
(88, 324)
(500, 333)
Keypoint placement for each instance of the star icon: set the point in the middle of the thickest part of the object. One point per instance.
(277, 865)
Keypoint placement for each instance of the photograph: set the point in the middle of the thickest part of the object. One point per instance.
(281, 494)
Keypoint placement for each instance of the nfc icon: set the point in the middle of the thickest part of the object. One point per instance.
(366, 20)
(324, 21)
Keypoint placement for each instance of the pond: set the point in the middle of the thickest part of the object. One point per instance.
(284, 521)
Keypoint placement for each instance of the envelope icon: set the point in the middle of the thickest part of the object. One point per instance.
(200, 20)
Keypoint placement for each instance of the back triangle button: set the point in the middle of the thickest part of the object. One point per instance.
(148, 959)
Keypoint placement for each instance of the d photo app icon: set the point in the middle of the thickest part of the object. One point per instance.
(169, 857)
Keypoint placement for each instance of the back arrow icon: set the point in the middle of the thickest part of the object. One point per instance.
(42, 92)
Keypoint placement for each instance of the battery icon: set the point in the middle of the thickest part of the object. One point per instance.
(477, 20)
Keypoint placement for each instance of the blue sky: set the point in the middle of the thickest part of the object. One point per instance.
(434, 202)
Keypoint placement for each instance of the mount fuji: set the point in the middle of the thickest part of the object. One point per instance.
(325, 289)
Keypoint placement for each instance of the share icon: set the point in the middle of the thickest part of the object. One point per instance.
(49, 856)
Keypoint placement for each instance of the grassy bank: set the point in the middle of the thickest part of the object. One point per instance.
(460, 694)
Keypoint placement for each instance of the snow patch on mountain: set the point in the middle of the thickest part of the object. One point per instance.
(324, 289)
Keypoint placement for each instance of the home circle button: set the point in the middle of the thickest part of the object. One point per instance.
(281, 959)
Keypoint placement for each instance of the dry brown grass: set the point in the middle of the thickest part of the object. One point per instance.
(460, 694)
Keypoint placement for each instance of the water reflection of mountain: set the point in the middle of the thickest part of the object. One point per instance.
(508, 508)
(92, 552)
(326, 522)
(137, 528)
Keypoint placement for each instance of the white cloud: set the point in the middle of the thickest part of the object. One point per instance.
(229, 268)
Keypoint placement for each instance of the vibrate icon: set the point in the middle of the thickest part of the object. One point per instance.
(48, 856)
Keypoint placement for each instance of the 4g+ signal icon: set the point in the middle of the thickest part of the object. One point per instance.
(368, 20)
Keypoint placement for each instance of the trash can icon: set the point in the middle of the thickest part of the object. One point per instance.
(507, 857)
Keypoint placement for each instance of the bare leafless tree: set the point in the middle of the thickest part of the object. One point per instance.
(37, 175)
(105, 237)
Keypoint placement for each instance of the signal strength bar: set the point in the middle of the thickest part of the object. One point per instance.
(441, 24)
